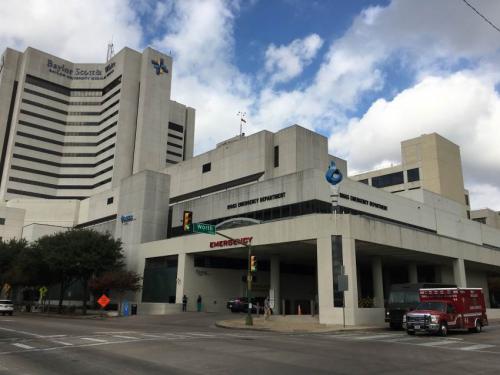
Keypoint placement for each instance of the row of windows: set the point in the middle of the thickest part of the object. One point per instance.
(39, 195)
(176, 127)
(171, 161)
(395, 178)
(60, 175)
(174, 145)
(66, 113)
(63, 165)
(60, 89)
(174, 153)
(55, 131)
(64, 154)
(68, 123)
(175, 136)
(62, 187)
(53, 141)
(62, 101)
(291, 210)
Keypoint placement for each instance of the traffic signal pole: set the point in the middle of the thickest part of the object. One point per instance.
(248, 319)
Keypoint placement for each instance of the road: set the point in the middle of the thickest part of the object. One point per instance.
(190, 344)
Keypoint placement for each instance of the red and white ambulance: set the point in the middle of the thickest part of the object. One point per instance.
(441, 309)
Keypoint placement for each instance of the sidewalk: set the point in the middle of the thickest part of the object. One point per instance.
(291, 323)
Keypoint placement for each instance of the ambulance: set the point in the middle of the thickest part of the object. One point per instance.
(442, 309)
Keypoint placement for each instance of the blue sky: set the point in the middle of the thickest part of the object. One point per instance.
(366, 74)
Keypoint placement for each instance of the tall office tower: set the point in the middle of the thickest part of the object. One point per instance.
(68, 131)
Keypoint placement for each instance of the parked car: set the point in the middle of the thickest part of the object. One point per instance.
(441, 309)
(6, 307)
(241, 304)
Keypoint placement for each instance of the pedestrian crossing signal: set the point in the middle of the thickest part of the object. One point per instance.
(253, 263)
(187, 221)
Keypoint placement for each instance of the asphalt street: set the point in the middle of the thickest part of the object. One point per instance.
(190, 344)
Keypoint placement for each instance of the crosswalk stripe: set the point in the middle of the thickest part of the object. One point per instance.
(92, 339)
(149, 335)
(438, 343)
(126, 337)
(199, 334)
(22, 346)
(63, 343)
(477, 347)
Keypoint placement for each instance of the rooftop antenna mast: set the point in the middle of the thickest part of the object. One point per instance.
(111, 51)
(242, 116)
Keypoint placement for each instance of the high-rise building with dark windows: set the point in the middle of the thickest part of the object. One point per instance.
(69, 131)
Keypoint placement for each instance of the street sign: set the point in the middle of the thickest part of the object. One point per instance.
(125, 308)
(103, 301)
(43, 290)
(204, 228)
(343, 283)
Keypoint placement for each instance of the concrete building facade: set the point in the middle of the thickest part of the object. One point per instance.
(408, 223)
(69, 131)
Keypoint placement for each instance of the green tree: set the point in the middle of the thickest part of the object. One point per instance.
(118, 282)
(77, 255)
(10, 253)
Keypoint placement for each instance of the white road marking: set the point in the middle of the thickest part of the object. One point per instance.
(63, 343)
(126, 337)
(22, 346)
(199, 334)
(52, 336)
(6, 320)
(149, 335)
(112, 332)
(92, 339)
(375, 337)
(477, 347)
(23, 332)
(437, 343)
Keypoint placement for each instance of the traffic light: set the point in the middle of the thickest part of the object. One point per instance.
(253, 263)
(187, 221)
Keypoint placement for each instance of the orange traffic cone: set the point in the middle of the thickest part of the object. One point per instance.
(299, 312)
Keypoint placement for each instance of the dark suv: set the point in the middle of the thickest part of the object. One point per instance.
(241, 304)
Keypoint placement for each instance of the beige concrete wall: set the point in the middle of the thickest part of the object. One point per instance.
(14, 221)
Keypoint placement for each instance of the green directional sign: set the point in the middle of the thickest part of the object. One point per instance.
(203, 228)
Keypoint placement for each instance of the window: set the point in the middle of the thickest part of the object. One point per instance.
(2, 221)
(364, 181)
(276, 156)
(388, 180)
(481, 220)
(176, 127)
(413, 174)
(206, 168)
(110, 200)
(467, 200)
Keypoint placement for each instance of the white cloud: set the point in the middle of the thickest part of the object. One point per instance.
(287, 62)
(460, 107)
(75, 30)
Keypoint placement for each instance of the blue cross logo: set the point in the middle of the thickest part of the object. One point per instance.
(333, 175)
(159, 66)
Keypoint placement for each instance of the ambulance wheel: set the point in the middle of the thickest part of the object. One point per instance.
(443, 329)
(477, 328)
(411, 333)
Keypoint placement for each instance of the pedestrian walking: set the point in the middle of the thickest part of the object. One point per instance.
(184, 303)
(267, 309)
(198, 303)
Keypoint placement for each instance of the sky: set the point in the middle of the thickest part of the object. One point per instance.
(365, 74)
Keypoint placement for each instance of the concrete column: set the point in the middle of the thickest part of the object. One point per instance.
(275, 282)
(459, 273)
(351, 295)
(413, 273)
(325, 279)
(181, 269)
(378, 282)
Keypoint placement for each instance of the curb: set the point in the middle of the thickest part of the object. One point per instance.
(332, 331)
